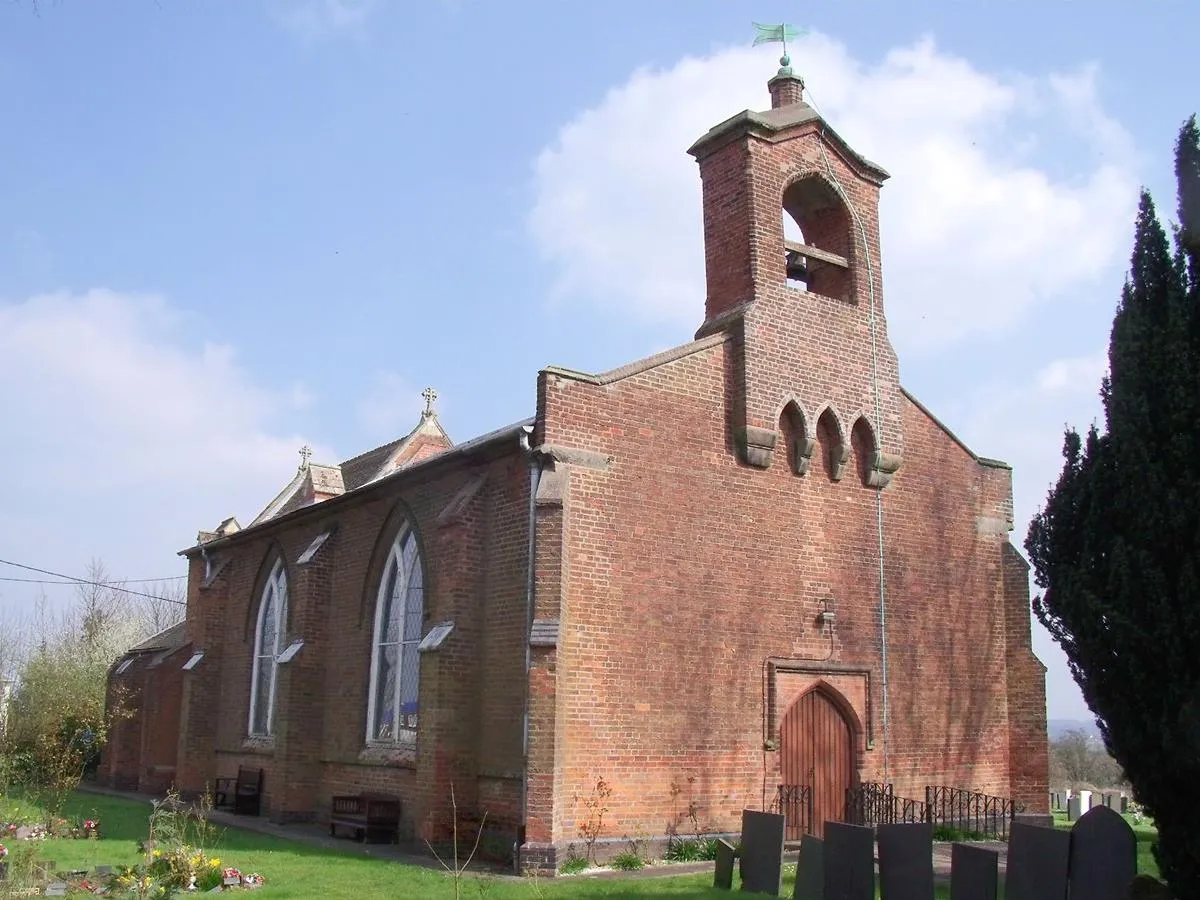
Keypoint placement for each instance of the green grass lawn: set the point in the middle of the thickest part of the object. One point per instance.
(303, 870)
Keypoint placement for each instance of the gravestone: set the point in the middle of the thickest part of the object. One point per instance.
(810, 870)
(1144, 887)
(762, 852)
(849, 862)
(1124, 804)
(906, 861)
(1085, 801)
(1107, 800)
(723, 872)
(1038, 858)
(974, 873)
(1103, 856)
(1074, 809)
(56, 889)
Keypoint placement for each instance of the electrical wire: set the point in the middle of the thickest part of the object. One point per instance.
(872, 326)
(69, 579)
(122, 581)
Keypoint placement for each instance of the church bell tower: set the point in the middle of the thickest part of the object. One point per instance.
(791, 248)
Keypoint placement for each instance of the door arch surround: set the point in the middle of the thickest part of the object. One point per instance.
(818, 747)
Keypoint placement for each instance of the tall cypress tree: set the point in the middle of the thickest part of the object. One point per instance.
(1116, 549)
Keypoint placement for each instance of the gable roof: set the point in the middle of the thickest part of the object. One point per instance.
(417, 462)
(167, 639)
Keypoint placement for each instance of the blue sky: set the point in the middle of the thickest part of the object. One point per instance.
(231, 228)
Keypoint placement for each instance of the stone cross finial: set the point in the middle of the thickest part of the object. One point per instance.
(430, 395)
(305, 456)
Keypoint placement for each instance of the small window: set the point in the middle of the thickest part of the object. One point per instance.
(395, 663)
(268, 642)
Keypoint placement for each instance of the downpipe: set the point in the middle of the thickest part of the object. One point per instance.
(535, 477)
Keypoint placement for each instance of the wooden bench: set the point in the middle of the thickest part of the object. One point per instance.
(366, 814)
(242, 794)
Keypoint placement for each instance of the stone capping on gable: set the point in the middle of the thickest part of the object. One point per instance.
(453, 512)
(544, 633)
(982, 460)
(315, 547)
(571, 456)
(215, 567)
(273, 508)
(769, 124)
(638, 366)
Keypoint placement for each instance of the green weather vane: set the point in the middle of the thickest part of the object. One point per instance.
(779, 34)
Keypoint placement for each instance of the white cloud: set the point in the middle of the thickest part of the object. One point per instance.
(390, 406)
(123, 436)
(979, 226)
(312, 20)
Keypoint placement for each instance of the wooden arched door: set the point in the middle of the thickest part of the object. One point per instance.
(816, 748)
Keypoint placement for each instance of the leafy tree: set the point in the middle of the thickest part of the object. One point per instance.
(1116, 548)
(1078, 759)
(57, 719)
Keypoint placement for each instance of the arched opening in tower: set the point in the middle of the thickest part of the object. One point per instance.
(817, 238)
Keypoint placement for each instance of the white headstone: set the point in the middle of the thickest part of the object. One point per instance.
(1085, 801)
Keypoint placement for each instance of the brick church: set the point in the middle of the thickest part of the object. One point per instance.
(751, 560)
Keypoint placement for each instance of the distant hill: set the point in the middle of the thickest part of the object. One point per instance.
(1055, 728)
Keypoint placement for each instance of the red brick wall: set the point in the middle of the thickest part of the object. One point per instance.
(471, 689)
(688, 571)
(691, 581)
(161, 707)
(121, 757)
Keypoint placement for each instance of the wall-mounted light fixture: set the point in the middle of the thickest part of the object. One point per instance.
(825, 617)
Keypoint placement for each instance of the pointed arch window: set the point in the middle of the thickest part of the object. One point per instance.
(268, 643)
(395, 666)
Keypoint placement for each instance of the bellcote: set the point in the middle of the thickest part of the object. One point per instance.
(759, 169)
(792, 265)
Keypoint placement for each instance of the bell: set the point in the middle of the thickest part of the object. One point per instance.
(797, 266)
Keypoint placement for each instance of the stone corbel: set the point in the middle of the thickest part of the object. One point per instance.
(804, 452)
(839, 455)
(756, 445)
(883, 467)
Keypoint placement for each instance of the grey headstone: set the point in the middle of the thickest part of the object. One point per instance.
(849, 862)
(1124, 804)
(810, 870)
(1107, 800)
(1103, 856)
(1074, 808)
(103, 870)
(1145, 887)
(1037, 863)
(56, 889)
(974, 873)
(762, 852)
(723, 873)
(906, 861)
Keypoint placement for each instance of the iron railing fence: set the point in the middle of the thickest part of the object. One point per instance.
(970, 811)
(794, 802)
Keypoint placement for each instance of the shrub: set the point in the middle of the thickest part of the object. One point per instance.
(573, 864)
(687, 850)
(627, 861)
